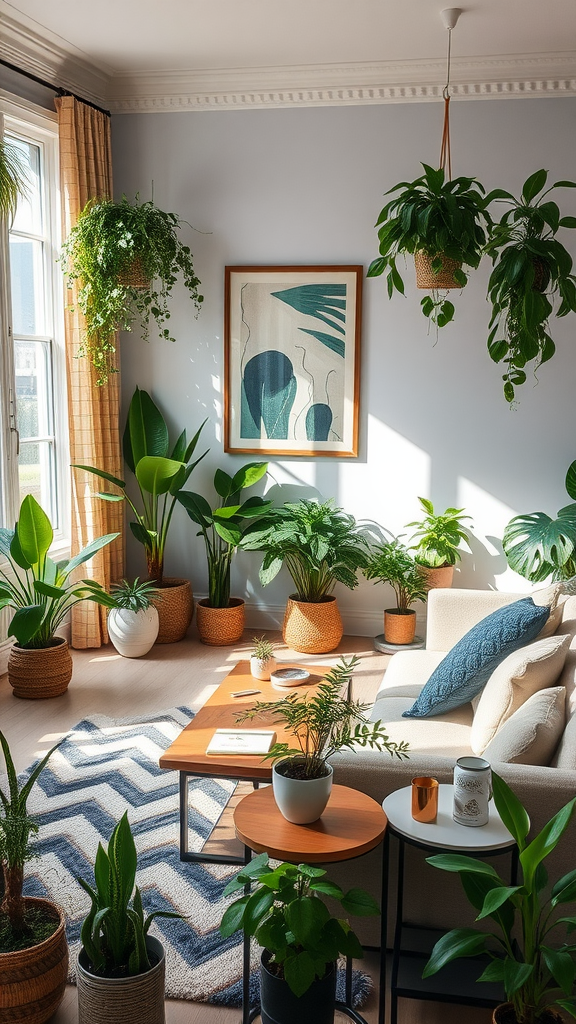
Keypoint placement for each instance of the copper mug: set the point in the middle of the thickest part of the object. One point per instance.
(425, 799)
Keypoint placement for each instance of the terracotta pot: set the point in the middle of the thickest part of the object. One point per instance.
(504, 1014)
(220, 627)
(428, 279)
(42, 672)
(33, 981)
(133, 633)
(399, 626)
(439, 578)
(175, 606)
(312, 628)
(133, 1000)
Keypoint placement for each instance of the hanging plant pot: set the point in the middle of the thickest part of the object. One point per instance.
(439, 578)
(33, 980)
(312, 628)
(428, 279)
(220, 627)
(279, 1005)
(40, 672)
(133, 275)
(399, 625)
(175, 606)
(300, 800)
(129, 1000)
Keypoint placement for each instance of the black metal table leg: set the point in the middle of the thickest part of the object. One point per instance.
(384, 928)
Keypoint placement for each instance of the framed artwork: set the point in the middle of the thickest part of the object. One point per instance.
(292, 360)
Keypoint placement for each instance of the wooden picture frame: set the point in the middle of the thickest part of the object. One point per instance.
(292, 360)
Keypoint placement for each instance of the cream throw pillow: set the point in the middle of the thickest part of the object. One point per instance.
(554, 597)
(521, 674)
(533, 732)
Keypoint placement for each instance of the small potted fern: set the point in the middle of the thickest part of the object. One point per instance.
(262, 660)
(133, 622)
(392, 562)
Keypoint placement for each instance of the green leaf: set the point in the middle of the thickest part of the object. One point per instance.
(87, 553)
(357, 901)
(327, 888)
(546, 841)
(458, 862)
(561, 967)
(16, 553)
(34, 530)
(223, 484)
(564, 891)
(533, 185)
(250, 474)
(48, 591)
(146, 432)
(516, 975)
(571, 480)
(257, 907)
(100, 472)
(196, 506)
(513, 814)
(457, 943)
(233, 917)
(299, 972)
(270, 572)
(25, 623)
(155, 474)
(302, 919)
(568, 222)
(230, 533)
(179, 450)
(495, 898)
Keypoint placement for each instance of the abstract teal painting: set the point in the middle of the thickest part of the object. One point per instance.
(292, 349)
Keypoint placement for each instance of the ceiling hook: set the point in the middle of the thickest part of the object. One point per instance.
(450, 17)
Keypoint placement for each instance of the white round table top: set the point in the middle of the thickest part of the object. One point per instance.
(445, 833)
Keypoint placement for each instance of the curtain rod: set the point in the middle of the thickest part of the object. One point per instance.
(55, 88)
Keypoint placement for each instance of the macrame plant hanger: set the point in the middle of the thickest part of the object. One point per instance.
(450, 18)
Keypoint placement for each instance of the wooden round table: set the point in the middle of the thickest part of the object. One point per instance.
(351, 825)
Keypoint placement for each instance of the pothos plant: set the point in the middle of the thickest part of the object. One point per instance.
(101, 252)
(443, 219)
(531, 279)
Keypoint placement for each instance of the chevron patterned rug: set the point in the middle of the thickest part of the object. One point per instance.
(102, 768)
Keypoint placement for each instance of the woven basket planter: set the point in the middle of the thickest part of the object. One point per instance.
(437, 579)
(399, 626)
(43, 672)
(133, 276)
(175, 606)
(135, 1000)
(312, 628)
(220, 627)
(33, 981)
(426, 278)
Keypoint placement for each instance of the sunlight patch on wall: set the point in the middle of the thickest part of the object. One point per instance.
(490, 517)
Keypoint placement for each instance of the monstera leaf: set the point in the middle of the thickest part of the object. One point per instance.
(537, 546)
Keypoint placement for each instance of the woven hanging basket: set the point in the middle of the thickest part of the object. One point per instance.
(437, 579)
(175, 606)
(428, 279)
(312, 628)
(42, 672)
(138, 999)
(220, 627)
(133, 275)
(33, 980)
(399, 626)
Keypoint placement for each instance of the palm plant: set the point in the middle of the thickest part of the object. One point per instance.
(438, 536)
(13, 180)
(391, 562)
(539, 547)
(319, 544)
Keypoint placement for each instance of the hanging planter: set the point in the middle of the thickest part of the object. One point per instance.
(436, 272)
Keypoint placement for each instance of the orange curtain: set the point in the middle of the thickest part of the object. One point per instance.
(93, 412)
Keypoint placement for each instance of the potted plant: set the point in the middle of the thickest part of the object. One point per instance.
(392, 562)
(539, 547)
(301, 940)
(443, 224)
(41, 594)
(438, 538)
(322, 722)
(127, 258)
(161, 469)
(33, 947)
(262, 660)
(133, 621)
(531, 279)
(220, 618)
(535, 967)
(120, 966)
(13, 179)
(319, 545)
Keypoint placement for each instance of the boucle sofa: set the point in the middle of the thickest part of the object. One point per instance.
(433, 897)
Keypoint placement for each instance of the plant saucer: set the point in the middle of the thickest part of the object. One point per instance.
(284, 678)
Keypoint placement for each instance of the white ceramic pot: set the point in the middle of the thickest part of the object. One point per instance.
(133, 633)
(261, 668)
(301, 801)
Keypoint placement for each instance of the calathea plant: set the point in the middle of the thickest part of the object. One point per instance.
(531, 279)
(539, 547)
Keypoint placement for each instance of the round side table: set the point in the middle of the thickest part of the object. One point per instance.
(408, 955)
(351, 825)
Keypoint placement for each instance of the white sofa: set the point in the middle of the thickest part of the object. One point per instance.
(434, 898)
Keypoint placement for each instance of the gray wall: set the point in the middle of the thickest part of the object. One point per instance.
(305, 186)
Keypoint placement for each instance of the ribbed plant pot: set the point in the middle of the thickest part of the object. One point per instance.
(42, 672)
(399, 626)
(33, 981)
(312, 628)
(300, 801)
(175, 606)
(134, 1000)
(261, 668)
(437, 579)
(279, 1005)
(133, 633)
(504, 1014)
(425, 276)
(220, 627)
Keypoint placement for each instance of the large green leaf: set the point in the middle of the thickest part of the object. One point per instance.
(155, 473)
(248, 475)
(533, 185)
(571, 480)
(101, 473)
(534, 539)
(146, 432)
(457, 943)
(197, 507)
(88, 552)
(34, 530)
(546, 840)
(564, 891)
(511, 811)
(26, 622)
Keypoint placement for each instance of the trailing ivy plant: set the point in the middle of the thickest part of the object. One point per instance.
(100, 253)
(531, 279)
(439, 218)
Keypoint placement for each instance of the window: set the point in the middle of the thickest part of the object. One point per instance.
(33, 384)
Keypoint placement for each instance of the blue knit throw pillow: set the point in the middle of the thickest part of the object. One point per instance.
(467, 667)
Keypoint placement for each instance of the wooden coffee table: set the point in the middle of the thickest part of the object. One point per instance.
(187, 754)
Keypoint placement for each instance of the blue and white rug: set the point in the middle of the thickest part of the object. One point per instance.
(102, 768)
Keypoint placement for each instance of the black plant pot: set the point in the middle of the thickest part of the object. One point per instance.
(279, 1005)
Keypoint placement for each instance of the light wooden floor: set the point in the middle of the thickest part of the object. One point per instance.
(173, 674)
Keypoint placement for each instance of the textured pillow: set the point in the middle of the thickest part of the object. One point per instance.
(554, 597)
(521, 674)
(465, 669)
(532, 734)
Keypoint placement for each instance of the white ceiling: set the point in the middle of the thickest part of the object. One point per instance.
(131, 39)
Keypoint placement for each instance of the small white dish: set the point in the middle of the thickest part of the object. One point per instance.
(284, 678)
